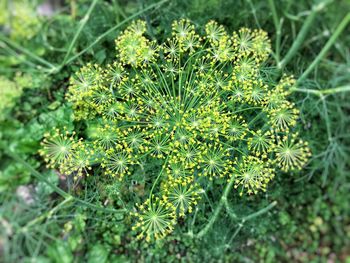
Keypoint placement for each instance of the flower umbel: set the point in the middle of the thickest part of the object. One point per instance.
(156, 219)
(291, 152)
(57, 147)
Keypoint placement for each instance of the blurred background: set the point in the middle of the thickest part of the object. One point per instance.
(42, 43)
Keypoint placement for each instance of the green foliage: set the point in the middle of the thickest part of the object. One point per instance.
(38, 55)
(20, 18)
(9, 94)
(191, 103)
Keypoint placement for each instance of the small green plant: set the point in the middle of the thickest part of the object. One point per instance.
(20, 18)
(199, 105)
(9, 93)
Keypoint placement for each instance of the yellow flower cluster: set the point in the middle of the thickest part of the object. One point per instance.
(253, 173)
(61, 150)
(291, 152)
(199, 105)
(133, 48)
(182, 192)
(21, 19)
(156, 219)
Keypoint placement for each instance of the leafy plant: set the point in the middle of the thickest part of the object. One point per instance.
(299, 217)
(200, 105)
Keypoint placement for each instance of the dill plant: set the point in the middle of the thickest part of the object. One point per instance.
(197, 103)
(9, 93)
(20, 18)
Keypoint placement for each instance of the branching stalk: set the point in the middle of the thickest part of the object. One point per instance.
(81, 26)
(302, 34)
(252, 7)
(217, 209)
(328, 45)
(5, 39)
(102, 36)
(278, 26)
(58, 190)
(157, 179)
(224, 203)
(45, 215)
(322, 93)
(260, 212)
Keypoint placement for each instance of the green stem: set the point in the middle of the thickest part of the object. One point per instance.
(244, 109)
(190, 232)
(224, 203)
(48, 214)
(302, 34)
(328, 45)
(37, 174)
(157, 179)
(252, 7)
(80, 28)
(322, 93)
(217, 209)
(56, 189)
(27, 52)
(12, 52)
(99, 38)
(260, 212)
(229, 210)
(257, 117)
(73, 9)
(118, 9)
(251, 216)
(277, 24)
(208, 199)
(326, 117)
(236, 232)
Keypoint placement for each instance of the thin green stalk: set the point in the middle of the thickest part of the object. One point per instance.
(252, 7)
(250, 108)
(274, 13)
(328, 45)
(224, 203)
(73, 9)
(302, 34)
(211, 221)
(118, 9)
(326, 117)
(12, 52)
(324, 92)
(251, 216)
(56, 189)
(148, 21)
(99, 38)
(27, 52)
(278, 27)
(260, 212)
(208, 199)
(46, 214)
(240, 226)
(217, 209)
(37, 174)
(229, 210)
(156, 181)
(77, 34)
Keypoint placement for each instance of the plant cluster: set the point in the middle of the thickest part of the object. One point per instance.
(200, 105)
(20, 18)
(46, 216)
(9, 93)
